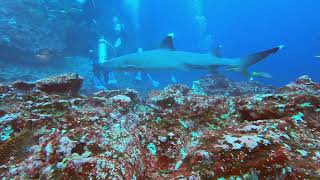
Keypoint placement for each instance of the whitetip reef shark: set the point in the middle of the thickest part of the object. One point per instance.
(167, 58)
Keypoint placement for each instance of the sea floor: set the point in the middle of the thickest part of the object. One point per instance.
(51, 131)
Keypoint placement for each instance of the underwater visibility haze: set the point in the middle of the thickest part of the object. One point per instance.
(170, 89)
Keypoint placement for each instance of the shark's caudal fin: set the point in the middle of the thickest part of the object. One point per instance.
(252, 59)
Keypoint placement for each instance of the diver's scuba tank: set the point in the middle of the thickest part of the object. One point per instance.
(102, 51)
(103, 58)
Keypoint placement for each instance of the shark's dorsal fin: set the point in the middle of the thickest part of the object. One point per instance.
(217, 52)
(167, 42)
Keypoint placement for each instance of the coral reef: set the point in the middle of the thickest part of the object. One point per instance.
(176, 133)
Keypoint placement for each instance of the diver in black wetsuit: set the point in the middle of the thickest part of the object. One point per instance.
(99, 73)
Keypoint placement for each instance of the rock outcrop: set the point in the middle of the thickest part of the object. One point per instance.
(69, 84)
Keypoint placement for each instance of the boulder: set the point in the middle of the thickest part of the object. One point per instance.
(23, 86)
(68, 84)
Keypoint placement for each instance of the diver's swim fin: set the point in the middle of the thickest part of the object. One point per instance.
(138, 76)
(111, 78)
(154, 82)
(173, 79)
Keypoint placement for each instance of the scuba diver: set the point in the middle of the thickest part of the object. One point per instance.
(102, 77)
(99, 75)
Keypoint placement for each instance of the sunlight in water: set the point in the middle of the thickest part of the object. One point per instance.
(197, 11)
(133, 7)
(201, 22)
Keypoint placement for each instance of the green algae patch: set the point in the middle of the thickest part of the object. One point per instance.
(5, 134)
(302, 152)
(298, 118)
(305, 105)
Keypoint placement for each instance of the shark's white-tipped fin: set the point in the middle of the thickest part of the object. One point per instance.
(281, 47)
(171, 35)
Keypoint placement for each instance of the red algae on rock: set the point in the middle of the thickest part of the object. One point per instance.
(177, 133)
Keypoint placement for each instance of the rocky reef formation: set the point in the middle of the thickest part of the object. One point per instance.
(174, 134)
(34, 30)
(13, 73)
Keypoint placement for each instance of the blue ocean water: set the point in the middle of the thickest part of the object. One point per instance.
(72, 28)
(241, 27)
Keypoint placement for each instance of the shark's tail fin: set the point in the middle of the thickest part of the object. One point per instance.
(252, 59)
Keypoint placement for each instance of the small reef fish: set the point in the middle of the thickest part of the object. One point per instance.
(45, 55)
(261, 75)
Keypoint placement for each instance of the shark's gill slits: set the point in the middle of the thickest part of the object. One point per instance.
(124, 61)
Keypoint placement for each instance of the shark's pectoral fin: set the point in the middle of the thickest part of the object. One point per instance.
(233, 69)
(167, 42)
(131, 68)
